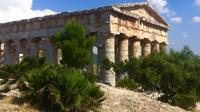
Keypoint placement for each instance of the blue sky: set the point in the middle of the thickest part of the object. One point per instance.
(182, 15)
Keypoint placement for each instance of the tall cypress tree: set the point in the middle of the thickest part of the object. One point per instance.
(75, 45)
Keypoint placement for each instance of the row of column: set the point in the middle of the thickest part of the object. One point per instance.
(123, 49)
(12, 51)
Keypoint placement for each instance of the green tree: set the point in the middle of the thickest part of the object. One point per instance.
(76, 46)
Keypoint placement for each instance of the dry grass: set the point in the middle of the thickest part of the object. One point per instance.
(15, 104)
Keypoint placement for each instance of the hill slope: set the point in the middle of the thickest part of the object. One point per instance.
(118, 100)
(122, 100)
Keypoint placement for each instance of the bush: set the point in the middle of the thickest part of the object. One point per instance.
(57, 88)
(13, 74)
(17, 71)
(127, 83)
(186, 101)
(76, 46)
(176, 75)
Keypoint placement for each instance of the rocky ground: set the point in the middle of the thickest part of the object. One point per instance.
(118, 100)
(122, 100)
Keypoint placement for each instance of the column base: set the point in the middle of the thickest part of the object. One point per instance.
(109, 77)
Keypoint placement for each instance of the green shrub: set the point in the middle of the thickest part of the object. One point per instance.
(57, 88)
(17, 71)
(186, 101)
(176, 75)
(127, 83)
(76, 46)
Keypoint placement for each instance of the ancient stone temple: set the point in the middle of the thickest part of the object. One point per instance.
(122, 31)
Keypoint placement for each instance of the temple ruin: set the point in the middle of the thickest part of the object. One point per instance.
(122, 31)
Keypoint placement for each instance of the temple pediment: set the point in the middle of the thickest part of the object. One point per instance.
(144, 10)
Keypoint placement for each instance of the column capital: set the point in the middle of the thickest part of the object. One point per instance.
(163, 43)
(144, 41)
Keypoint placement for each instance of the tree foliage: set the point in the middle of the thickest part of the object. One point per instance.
(76, 46)
(176, 75)
(58, 88)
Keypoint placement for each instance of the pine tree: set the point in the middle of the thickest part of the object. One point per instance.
(75, 45)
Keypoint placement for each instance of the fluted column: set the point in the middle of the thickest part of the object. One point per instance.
(155, 46)
(109, 50)
(146, 47)
(136, 48)
(123, 49)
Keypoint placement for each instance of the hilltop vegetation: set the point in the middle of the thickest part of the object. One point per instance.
(175, 74)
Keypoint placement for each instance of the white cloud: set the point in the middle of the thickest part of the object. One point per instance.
(196, 19)
(176, 19)
(161, 7)
(11, 10)
(197, 2)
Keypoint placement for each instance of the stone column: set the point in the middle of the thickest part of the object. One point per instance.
(7, 52)
(1, 53)
(136, 48)
(123, 53)
(123, 49)
(163, 46)
(155, 46)
(146, 47)
(109, 50)
(100, 57)
(58, 55)
(17, 46)
(33, 47)
(50, 50)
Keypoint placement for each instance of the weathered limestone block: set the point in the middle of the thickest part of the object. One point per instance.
(109, 77)
(136, 48)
